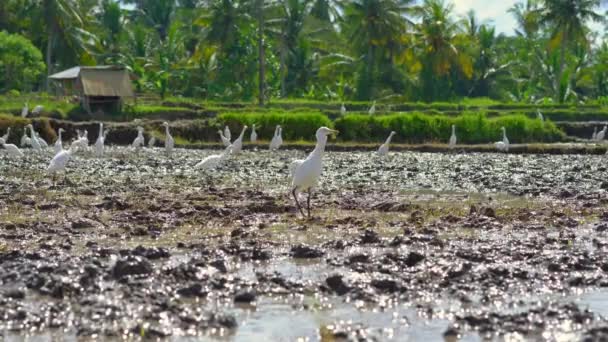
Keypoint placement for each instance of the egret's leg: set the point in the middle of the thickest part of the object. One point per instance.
(308, 202)
(295, 196)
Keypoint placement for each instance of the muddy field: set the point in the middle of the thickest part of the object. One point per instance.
(411, 247)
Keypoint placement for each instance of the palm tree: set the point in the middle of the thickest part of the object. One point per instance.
(568, 22)
(64, 23)
(157, 13)
(370, 26)
(439, 39)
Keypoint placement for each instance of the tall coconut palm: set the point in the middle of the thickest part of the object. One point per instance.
(370, 25)
(64, 24)
(568, 21)
(439, 39)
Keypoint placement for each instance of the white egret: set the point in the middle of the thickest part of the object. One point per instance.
(342, 109)
(601, 134)
(237, 145)
(453, 138)
(37, 110)
(254, 134)
(383, 150)
(25, 141)
(280, 138)
(273, 141)
(139, 140)
(594, 135)
(8, 133)
(33, 140)
(225, 140)
(59, 162)
(212, 161)
(227, 133)
(99, 143)
(151, 142)
(59, 143)
(539, 115)
(11, 149)
(372, 109)
(83, 141)
(305, 173)
(504, 144)
(41, 141)
(25, 110)
(169, 142)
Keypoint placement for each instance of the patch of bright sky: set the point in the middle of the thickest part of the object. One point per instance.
(496, 11)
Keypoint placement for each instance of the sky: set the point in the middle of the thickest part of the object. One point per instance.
(496, 11)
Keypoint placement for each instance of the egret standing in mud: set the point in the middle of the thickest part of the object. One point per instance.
(237, 145)
(41, 141)
(99, 144)
(254, 134)
(601, 134)
(8, 133)
(503, 145)
(227, 133)
(305, 173)
(169, 142)
(59, 143)
(212, 161)
(383, 150)
(594, 135)
(33, 139)
(11, 149)
(225, 141)
(59, 162)
(453, 138)
(25, 141)
(139, 140)
(274, 142)
(151, 142)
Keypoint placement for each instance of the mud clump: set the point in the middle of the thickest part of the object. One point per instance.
(305, 252)
(132, 265)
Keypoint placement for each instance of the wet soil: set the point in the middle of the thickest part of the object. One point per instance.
(412, 246)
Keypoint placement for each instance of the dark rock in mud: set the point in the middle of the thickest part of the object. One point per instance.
(245, 297)
(15, 293)
(386, 285)
(151, 253)
(413, 259)
(305, 252)
(220, 265)
(85, 223)
(369, 236)
(194, 290)
(226, 321)
(132, 265)
(336, 283)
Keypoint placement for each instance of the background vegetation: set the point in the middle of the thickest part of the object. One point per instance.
(241, 50)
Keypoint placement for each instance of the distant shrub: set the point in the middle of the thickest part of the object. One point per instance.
(472, 128)
(296, 125)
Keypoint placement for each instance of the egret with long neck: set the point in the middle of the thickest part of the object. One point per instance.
(169, 142)
(453, 138)
(237, 145)
(383, 150)
(8, 133)
(99, 143)
(305, 173)
(254, 134)
(59, 143)
(33, 139)
(504, 144)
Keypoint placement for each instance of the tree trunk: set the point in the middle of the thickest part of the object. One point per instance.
(283, 61)
(261, 58)
(49, 59)
(560, 72)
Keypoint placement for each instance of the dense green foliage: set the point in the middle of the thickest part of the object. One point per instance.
(21, 63)
(296, 125)
(472, 128)
(388, 50)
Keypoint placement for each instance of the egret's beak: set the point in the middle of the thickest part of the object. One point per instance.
(336, 132)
